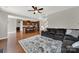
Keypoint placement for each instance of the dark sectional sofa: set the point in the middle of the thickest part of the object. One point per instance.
(60, 34)
(57, 34)
(67, 44)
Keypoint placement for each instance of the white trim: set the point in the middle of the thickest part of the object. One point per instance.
(22, 46)
(11, 32)
(2, 38)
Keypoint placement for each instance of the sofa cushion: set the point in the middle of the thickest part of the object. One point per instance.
(73, 32)
(75, 45)
(70, 37)
(68, 42)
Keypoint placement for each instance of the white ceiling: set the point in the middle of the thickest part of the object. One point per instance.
(23, 10)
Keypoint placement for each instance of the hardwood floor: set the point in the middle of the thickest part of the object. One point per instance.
(3, 44)
(21, 36)
(11, 44)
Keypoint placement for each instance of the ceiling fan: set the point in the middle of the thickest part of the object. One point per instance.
(36, 10)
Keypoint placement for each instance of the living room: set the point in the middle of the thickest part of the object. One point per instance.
(57, 24)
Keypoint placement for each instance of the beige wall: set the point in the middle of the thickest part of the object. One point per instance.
(64, 19)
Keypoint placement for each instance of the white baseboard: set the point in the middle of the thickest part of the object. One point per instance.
(11, 32)
(2, 38)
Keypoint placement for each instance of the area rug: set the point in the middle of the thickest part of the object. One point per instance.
(41, 44)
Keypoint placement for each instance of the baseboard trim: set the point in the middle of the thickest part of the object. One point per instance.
(11, 32)
(2, 38)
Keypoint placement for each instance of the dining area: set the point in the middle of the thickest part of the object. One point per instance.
(30, 26)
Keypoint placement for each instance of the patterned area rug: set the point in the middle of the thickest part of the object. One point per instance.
(41, 44)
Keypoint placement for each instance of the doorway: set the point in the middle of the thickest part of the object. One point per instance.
(24, 30)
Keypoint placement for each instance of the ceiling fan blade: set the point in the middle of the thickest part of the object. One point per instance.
(30, 10)
(41, 9)
(33, 7)
(39, 12)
